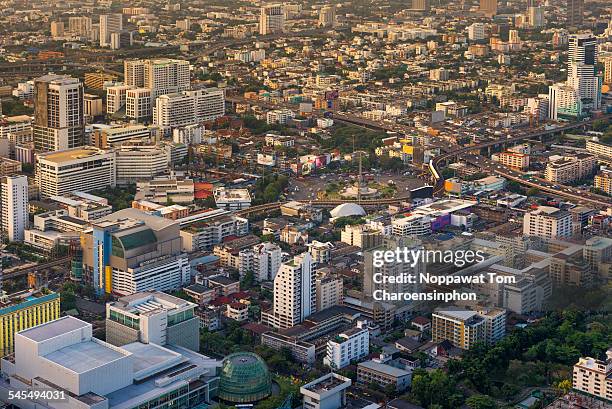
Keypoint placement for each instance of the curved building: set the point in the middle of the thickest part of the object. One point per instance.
(244, 378)
(347, 209)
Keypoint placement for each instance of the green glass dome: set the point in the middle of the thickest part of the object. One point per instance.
(244, 378)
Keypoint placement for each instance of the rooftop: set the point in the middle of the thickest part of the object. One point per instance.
(59, 157)
(84, 356)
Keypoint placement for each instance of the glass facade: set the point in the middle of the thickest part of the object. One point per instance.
(126, 320)
(244, 378)
(180, 317)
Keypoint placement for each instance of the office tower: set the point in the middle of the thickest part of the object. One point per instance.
(58, 113)
(488, 7)
(547, 223)
(575, 12)
(115, 98)
(138, 104)
(188, 107)
(582, 49)
(80, 26)
(14, 200)
(57, 29)
(514, 37)
(130, 251)
(564, 102)
(421, 5)
(476, 32)
(608, 70)
(20, 312)
(63, 356)
(109, 23)
(271, 19)
(152, 317)
(294, 293)
(327, 16)
(79, 169)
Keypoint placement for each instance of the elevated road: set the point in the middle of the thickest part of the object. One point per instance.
(584, 197)
(25, 270)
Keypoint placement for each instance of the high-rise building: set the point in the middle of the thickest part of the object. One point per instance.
(608, 70)
(115, 98)
(133, 73)
(548, 223)
(24, 310)
(74, 170)
(271, 19)
(80, 26)
(130, 251)
(294, 293)
(465, 328)
(603, 181)
(329, 289)
(488, 7)
(58, 113)
(138, 103)
(581, 92)
(575, 12)
(109, 23)
(263, 260)
(188, 107)
(327, 16)
(476, 31)
(14, 200)
(152, 317)
(140, 160)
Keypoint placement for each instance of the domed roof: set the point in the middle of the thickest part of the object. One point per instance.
(347, 209)
(244, 378)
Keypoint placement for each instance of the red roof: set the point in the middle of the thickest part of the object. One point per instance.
(421, 320)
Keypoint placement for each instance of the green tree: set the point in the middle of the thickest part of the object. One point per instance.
(480, 402)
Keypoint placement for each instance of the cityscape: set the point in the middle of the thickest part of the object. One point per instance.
(306, 204)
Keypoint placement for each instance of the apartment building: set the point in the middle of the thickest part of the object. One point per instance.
(263, 260)
(189, 107)
(362, 236)
(14, 218)
(599, 148)
(461, 328)
(348, 346)
(516, 161)
(271, 19)
(570, 168)
(79, 169)
(107, 137)
(138, 104)
(294, 293)
(58, 113)
(329, 290)
(370, 372)
(138, 160)
(594, 377)
(547, 222)
(603, 181)
(209, 229)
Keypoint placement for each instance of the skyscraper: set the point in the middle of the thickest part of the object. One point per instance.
(575, 12)
(58, 113)
(581, 92)
(608, 70)
(14, 200)
(109, 23)
(488, 7)
(271, 19)
(294, 293)
(421, 5)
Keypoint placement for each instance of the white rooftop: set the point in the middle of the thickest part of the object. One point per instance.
(84, 356)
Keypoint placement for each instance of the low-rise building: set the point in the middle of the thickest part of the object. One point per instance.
(594, 377)
(348, 346)
(382, 374)
(232, 199)
(326, 392)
